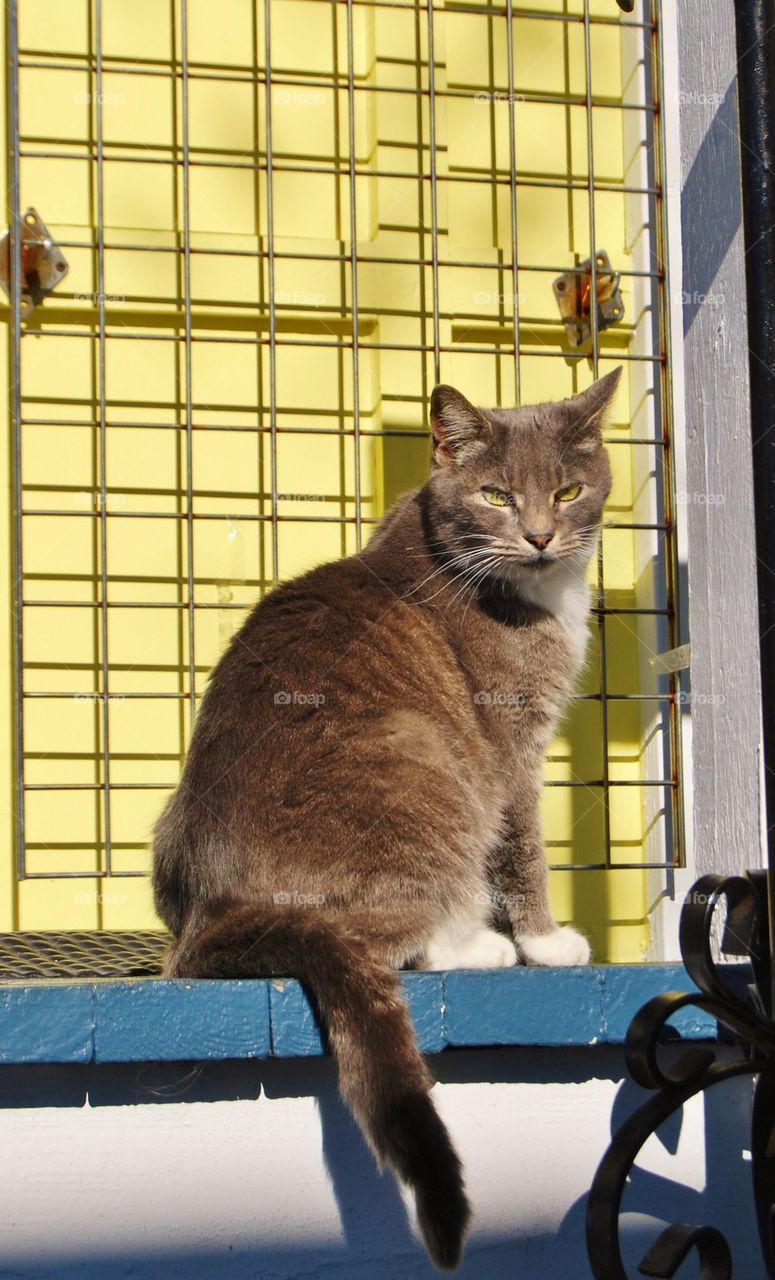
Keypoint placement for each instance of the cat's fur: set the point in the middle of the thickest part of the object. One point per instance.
(361, 789)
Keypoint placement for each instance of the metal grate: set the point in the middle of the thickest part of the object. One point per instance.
(380, 296)
(81, 955)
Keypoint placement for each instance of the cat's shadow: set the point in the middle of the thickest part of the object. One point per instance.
(371, 1207)
(370, 1204)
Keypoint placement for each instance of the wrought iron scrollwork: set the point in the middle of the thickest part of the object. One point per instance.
(745, 1010)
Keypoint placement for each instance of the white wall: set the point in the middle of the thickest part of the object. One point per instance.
(253, 1170)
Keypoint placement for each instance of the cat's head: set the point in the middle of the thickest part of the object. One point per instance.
(526, 484)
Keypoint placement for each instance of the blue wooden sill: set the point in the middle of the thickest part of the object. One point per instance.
(150, 1020)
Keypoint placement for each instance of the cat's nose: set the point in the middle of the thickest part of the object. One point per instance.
(539, 540)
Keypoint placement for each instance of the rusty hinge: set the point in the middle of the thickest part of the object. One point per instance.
(573, 291)
(43, 264)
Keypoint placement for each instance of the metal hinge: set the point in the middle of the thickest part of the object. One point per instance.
(43, 265)
(573, 291)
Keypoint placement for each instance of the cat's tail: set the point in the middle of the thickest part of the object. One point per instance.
(382, 1077)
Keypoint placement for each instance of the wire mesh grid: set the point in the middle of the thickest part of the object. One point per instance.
(81, 954)
(338, 230)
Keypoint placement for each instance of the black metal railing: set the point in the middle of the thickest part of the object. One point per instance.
(747, 1012)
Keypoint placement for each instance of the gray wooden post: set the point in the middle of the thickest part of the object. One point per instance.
(725, 691)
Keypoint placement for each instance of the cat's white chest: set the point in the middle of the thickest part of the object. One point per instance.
(566, 596)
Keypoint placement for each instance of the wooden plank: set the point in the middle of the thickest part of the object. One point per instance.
(160, 1020)
(169, 1021)
(52, 1023)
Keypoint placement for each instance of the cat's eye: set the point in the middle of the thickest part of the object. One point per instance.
(497, 497)
(568, 493)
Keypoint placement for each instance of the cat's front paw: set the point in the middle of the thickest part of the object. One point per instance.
(481, 949)
(561, 947)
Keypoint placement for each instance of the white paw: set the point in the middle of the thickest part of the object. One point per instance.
(481, 949)
(562, 947)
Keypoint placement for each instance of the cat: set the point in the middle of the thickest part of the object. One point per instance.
(362, 784)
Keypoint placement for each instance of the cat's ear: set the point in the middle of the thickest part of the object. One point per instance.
(458, 428)
(584, 412)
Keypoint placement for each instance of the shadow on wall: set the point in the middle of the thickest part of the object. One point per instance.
(653, 1200)
(714, 205)
(376, 1240)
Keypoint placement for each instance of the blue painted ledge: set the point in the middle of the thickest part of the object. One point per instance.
(152, 1020)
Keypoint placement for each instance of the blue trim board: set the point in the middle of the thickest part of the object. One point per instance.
(47, 1023)
(150, 1020)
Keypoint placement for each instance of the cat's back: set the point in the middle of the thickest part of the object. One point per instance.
(310, 623)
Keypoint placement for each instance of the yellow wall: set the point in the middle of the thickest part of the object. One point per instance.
(146, 449)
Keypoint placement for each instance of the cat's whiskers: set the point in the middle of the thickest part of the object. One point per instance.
(439, 545)
(475, 587)
(459, 537)
(435, 553)
(467, 569)
(447, 565)
(468, 576)
(478, 571)
(478, 574)
(451, 541)
(587, 528)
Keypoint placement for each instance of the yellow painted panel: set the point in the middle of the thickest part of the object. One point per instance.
(404, 308)
(232, 37)
(142, 31)
(137, 110)
(54, 27)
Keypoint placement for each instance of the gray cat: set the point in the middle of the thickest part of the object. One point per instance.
(361, 789)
